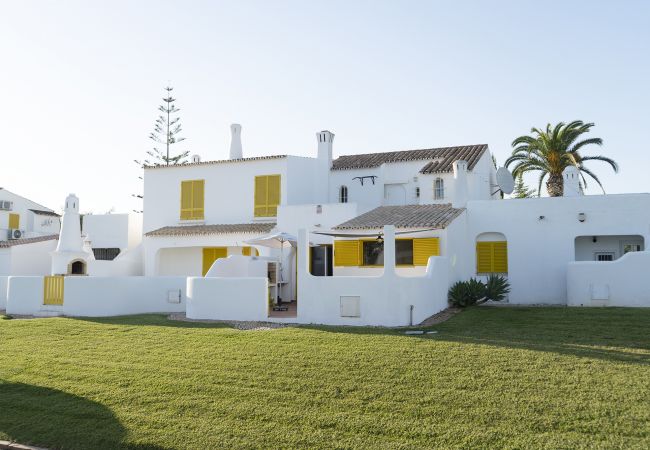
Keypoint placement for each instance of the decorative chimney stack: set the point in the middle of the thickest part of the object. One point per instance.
(460, 184)
(72, 253)
(322, 188)
(235, 142)
(571, 181)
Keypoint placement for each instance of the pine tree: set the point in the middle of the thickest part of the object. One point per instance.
(166, 132)
(521, 190)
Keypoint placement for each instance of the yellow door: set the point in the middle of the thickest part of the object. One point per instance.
(211, 254)
(53, 290)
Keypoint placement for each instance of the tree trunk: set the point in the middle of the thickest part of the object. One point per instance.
(555, 186)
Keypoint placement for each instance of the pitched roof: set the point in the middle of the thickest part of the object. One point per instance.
(443, 156)
(202, 230)
(406, 216)
(15, 242)
(40, 212)
(218, 161)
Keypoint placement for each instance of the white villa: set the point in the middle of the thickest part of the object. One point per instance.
(371, 239)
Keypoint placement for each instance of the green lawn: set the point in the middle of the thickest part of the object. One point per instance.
(492, 377)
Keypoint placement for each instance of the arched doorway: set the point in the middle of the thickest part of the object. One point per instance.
(77, 267)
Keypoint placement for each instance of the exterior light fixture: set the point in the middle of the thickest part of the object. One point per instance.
(582, 217)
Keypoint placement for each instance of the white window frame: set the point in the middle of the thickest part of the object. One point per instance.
(632, 244)
(438, 189)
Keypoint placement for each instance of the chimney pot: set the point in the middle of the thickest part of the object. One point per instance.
(235, 142)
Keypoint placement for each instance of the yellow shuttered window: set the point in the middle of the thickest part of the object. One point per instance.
(14, 221)
(249, 251)
(210, 255)
(492, 257)
(346, 253)
(423, 248)
(192, 199)
(267, 195)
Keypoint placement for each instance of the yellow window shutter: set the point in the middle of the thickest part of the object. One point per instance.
(260, 196)
(14, 221)
(198, 199)
(500, 257)
(346, 253)
(246, 251)
(192, 199)
(273, 196)
(267, 195)
(483, 257)
(211, 254)
(424, 248)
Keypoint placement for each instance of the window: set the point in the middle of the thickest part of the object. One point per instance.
(106, 254)
(604, 256)
(492, 257)
(192, 199)
(211, 254)
(343, 194)
(408, 252)
(14, 221)
(249, 251)
(267, 195)
(627, 248)
(438, 189)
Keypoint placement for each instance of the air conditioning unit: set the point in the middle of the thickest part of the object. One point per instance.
(6, 205)
(16, 234)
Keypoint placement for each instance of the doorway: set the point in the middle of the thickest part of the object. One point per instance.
(320, 262)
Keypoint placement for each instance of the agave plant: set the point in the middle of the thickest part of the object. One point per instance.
(496, 288)
(552, 150)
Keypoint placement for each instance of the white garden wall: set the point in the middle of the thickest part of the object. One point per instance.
(213, 298)
(100, 296)
(4, 285)
(384, 300)
(617, 283)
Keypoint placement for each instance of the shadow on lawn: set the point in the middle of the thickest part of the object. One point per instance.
(47, 417)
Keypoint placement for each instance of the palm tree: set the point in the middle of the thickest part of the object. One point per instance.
(553, 150)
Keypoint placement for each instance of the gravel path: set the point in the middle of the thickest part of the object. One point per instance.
(239, 325)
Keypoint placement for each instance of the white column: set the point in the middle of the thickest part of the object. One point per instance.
(389, 249)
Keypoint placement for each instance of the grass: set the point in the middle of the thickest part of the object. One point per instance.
(491, 378)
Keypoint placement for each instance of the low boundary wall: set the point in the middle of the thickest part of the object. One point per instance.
(616, 283)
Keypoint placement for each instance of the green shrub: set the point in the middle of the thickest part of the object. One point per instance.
(496, 288)
(473, 291)
(466, 293)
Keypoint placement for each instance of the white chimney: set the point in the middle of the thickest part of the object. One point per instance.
(325, 142)
(460, 184)
(324, 163)
(571, 182)
(235, 142)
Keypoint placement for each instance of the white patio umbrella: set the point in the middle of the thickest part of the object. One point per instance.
(276, 240)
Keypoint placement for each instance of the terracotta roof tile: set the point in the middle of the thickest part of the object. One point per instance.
(198, 230)
(406, 216)
(218, 161)
(45, 213)
(32, 240)
(441, 158)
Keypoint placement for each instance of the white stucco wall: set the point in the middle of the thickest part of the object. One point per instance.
(541, 236)
(31, 225)
(384, 300)
(112, 230)
(4, 285)
(617, 283)
(243, 298)
(32, 259)
(586, 248)
(98, 296)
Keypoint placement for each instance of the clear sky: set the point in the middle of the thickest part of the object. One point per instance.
(82, 80)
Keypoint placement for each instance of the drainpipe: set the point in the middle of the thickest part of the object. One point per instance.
(410, 315)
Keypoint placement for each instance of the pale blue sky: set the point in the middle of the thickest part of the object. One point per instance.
(81, 82)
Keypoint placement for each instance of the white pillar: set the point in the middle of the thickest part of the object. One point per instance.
(389, 249)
